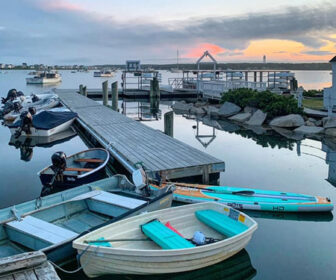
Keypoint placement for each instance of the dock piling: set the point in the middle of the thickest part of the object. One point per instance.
(169, 123)
(105, 93)
(85, 91)
(81, 89)
(114, 88)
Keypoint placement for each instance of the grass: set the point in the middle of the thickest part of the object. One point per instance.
(316, 104)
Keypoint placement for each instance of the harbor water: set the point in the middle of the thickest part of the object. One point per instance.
(285, 246)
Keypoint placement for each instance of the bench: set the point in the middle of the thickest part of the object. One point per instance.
(220, 222)
(164, 237)
(40, 229)
(89, 160)
(78, 169)
(119, 200)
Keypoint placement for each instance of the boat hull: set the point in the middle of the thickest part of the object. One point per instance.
(188, 193)
(43, 132)
(149, 259)
(43, 81)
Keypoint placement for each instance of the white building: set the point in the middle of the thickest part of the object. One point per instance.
(329, 95)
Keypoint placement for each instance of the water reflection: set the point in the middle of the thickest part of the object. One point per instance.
(237, 267)
(26, 144)
(142, 111)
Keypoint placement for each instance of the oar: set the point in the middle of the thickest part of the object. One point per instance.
(115, 240)
(244, 192)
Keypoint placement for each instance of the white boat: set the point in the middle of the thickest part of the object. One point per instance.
(122, 248)
(43, 124)
(175, 70)
(45, 78)
(103, 73)
(40, 102)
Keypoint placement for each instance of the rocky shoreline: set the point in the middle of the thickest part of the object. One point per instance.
(255, 119)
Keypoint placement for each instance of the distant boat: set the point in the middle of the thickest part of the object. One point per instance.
(251, 199)
(43, 124)
(173, 240)
(103, 73)
(51, 223)
(45, 78)
(78, 169)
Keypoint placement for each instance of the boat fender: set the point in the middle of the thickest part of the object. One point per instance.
(198, 238)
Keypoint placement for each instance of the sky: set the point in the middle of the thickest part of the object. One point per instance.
(110, 32)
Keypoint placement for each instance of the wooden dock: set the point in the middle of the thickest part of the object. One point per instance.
(134, 142)
(27, 266)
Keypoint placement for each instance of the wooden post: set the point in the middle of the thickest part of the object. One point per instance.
(246, 76)
(169, 123)
(85, 91)
(154, 88)
(205, 177)
(261, 76)
(255, 76)
(114, 88)
(105, 93)
(81, 89)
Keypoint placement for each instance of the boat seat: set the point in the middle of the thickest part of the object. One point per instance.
(78, 169)
(42, 230)
(164, 236)
(220, 222)
(89, 160)
(119, 200)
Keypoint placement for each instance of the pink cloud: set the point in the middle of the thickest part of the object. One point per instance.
(63, 5)
(201, 48)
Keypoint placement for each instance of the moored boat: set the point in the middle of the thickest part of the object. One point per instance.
(44, 78)
(78, 169)
(51, 223)
(251, 199)
(103, 73)
(172, 240)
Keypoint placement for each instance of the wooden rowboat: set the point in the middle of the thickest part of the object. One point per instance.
(251, 199)
(122, 248)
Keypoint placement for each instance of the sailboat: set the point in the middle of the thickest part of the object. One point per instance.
(176, 70)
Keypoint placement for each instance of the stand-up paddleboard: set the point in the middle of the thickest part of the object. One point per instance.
(251, 199)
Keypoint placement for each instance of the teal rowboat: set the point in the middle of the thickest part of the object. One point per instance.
(250, 199)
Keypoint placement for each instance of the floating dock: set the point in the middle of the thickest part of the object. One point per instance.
(131, 142)
(27, 266)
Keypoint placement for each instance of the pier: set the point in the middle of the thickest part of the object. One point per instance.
(131, 142)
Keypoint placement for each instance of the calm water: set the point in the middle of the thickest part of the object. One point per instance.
(284, 246)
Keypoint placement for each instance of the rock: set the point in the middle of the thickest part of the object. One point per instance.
(309, 123)
(329, 122)
(312, 120)
(228, 126)
(197, 111)
(249, 109)
(257, 118)
(181, 107)
(292, 120)
(242, 117)
(212, 111)
(330, 132)
(308, 130)
(319, 123)
(228, 109)
(290, 134)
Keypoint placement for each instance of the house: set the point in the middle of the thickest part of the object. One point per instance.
(329, 95)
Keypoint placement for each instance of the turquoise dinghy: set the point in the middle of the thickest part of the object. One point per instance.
(51, 223)
(251, 199)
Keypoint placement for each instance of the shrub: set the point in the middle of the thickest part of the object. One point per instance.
(313, 93)
(274, 105)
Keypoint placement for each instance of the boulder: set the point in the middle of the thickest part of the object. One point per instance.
(257, 118)
(308, 130)
(212, 112)
(329, 122)
(319, 123)
(312, 120)
(292, 120)
(197, 111)
(241, 117)
(228, 109)
(309, 123)
(181, 107)
(330, 132)
(249, 109)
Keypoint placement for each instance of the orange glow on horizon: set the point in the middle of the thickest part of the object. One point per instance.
(200, 49)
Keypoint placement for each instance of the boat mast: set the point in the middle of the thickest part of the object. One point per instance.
(177, 59)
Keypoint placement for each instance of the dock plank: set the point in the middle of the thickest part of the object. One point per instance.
(135, 141)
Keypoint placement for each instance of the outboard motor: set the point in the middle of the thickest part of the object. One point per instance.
(19, 93)
(58, 160)
(32, 110)
(35, 98)
(17, 106)
(26, 124)
(8, 107)
(11, 95)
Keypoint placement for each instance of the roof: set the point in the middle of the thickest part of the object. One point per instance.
(333, 60)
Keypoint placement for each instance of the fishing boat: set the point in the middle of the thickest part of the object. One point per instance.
(43, 124)
(172, 240)
(52, 222)
(251, 199)
(39, 102)
(78, 169)
(44, 78)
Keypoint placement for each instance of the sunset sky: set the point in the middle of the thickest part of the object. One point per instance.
(109, 31)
